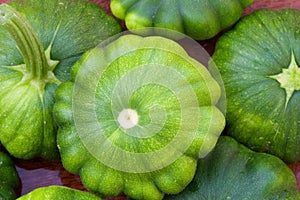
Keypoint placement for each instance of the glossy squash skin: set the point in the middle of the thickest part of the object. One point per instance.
(233, 171)
(9, 178)
(200, 19)
(259, 63)
(56, 192)
(142, 161)
(40, 41)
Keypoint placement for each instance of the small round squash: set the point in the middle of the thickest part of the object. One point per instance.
(200, 19)
(140, 112)
(259, 63)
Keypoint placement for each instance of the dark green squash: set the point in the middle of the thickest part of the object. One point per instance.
(200, 19)
(40, 41)
(233, 171)
(258, 61)
(9, 178)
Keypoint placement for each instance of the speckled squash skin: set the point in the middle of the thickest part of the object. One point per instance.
(233, 171)
(55, 192)
(9, 178)
(40, 41)
(200, 19)
(131, 53)
(258, 61)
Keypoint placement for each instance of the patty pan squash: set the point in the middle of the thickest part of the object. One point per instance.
(136, 116)
(233, 171)
(9, 178)
(200, 19)
(259, 63)
(55, 192)
(40, 41)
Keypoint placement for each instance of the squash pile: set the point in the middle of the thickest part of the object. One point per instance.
(141, 114)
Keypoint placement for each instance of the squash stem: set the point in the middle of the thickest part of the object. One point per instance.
(27, 41)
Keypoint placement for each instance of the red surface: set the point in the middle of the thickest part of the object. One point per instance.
(37, 173)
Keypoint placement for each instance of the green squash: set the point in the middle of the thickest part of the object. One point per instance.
(56, 192)
(136, 116)
(258, 61)
(9, 178)
(233, 171)
(199, 19)
(40, 41)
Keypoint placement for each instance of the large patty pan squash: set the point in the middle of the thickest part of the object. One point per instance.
(233, 171)
(259, 63)
(58, 193)
(200, 19)
(138, 125)
(9, 178)
(40, 41)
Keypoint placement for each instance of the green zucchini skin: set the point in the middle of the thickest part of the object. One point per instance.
(30, 72)
(261, 113)
(55, 192)
(9, 178)
(199, 19)
(233, 171)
